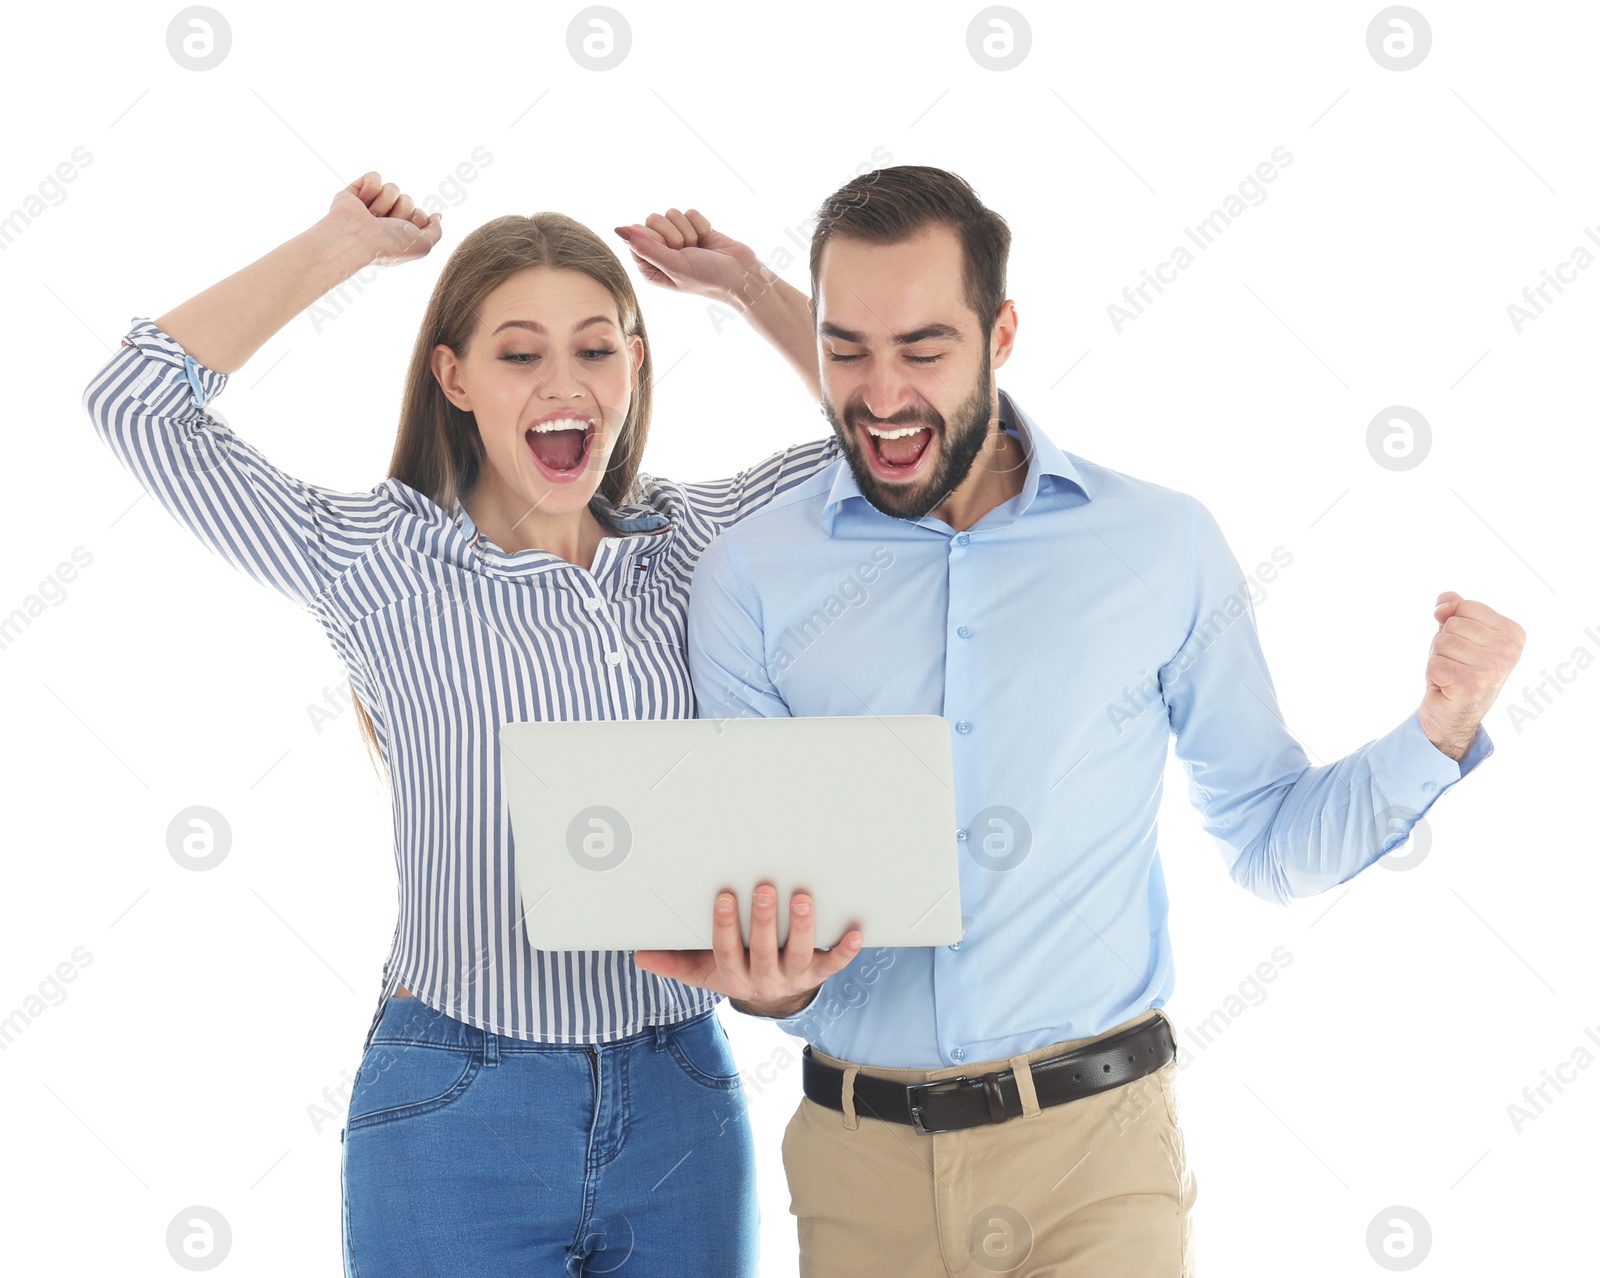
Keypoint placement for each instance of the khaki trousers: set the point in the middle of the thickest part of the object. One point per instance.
(1093, 1188)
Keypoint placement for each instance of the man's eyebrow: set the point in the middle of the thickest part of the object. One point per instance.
(539, 328)
(927, 333)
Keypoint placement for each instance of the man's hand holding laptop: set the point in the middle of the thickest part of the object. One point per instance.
(762, 980)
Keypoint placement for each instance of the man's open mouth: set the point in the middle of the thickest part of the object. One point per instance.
(560, 446)
(896, 451)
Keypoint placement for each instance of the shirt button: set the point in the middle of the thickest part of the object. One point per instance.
(963, 727)
(1429, 786)
(961, 836)
(593, 605)
(964, 631)
(613, 658)
(956, 945)
(962, 539)
(958, 1053)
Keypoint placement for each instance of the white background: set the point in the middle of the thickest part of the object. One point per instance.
(1377, 1069)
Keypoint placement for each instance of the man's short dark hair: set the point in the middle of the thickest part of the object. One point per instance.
(890, 206)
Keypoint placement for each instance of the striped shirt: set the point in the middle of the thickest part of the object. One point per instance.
(446, 637)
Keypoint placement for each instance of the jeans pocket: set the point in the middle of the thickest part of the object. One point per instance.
(402, 1080)
(702, 1051)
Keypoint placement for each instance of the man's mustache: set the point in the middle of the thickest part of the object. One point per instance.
(930, 419)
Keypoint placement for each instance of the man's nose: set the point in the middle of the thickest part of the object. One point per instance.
(885, 394)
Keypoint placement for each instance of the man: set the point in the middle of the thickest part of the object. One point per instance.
(1064, 618)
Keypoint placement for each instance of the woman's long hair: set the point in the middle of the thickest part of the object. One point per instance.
(438, 450)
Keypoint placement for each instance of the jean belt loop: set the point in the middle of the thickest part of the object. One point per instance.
(660, 1034)
(847, 1095)
(491, 1047)
(1023, 1073)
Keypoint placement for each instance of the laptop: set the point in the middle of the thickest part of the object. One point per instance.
(624, 831)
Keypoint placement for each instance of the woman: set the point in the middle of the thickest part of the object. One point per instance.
(517, 1110)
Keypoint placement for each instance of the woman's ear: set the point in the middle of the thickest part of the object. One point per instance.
(447, 371)
(636, 350)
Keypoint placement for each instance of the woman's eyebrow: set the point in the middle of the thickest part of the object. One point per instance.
(539, 328)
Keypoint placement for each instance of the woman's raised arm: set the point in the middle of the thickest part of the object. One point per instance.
(152, 403)
(682, 251)
(369, 221)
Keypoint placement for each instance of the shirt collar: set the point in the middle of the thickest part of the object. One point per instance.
(629, 518)
(1044, 458)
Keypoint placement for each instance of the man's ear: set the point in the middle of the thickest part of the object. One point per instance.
(447, 372)
(1003, 336)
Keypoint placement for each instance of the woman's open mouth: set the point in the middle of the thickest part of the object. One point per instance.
(897, 453)
(561, 446)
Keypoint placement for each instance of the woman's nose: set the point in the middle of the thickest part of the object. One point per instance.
(560, 379)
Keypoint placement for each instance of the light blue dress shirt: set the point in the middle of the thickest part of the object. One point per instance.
(1063, 637)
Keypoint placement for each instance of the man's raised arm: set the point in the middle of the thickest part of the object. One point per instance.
(1288, 829)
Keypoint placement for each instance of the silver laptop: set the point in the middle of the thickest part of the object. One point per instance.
(623, 831)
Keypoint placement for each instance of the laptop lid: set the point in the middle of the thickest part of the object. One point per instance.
(623, 831)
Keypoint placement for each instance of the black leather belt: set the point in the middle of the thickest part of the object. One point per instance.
(954, 1103)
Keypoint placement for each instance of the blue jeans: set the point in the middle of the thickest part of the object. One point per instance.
(469, 1153)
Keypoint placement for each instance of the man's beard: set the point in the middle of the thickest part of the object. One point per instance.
(959, 446)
